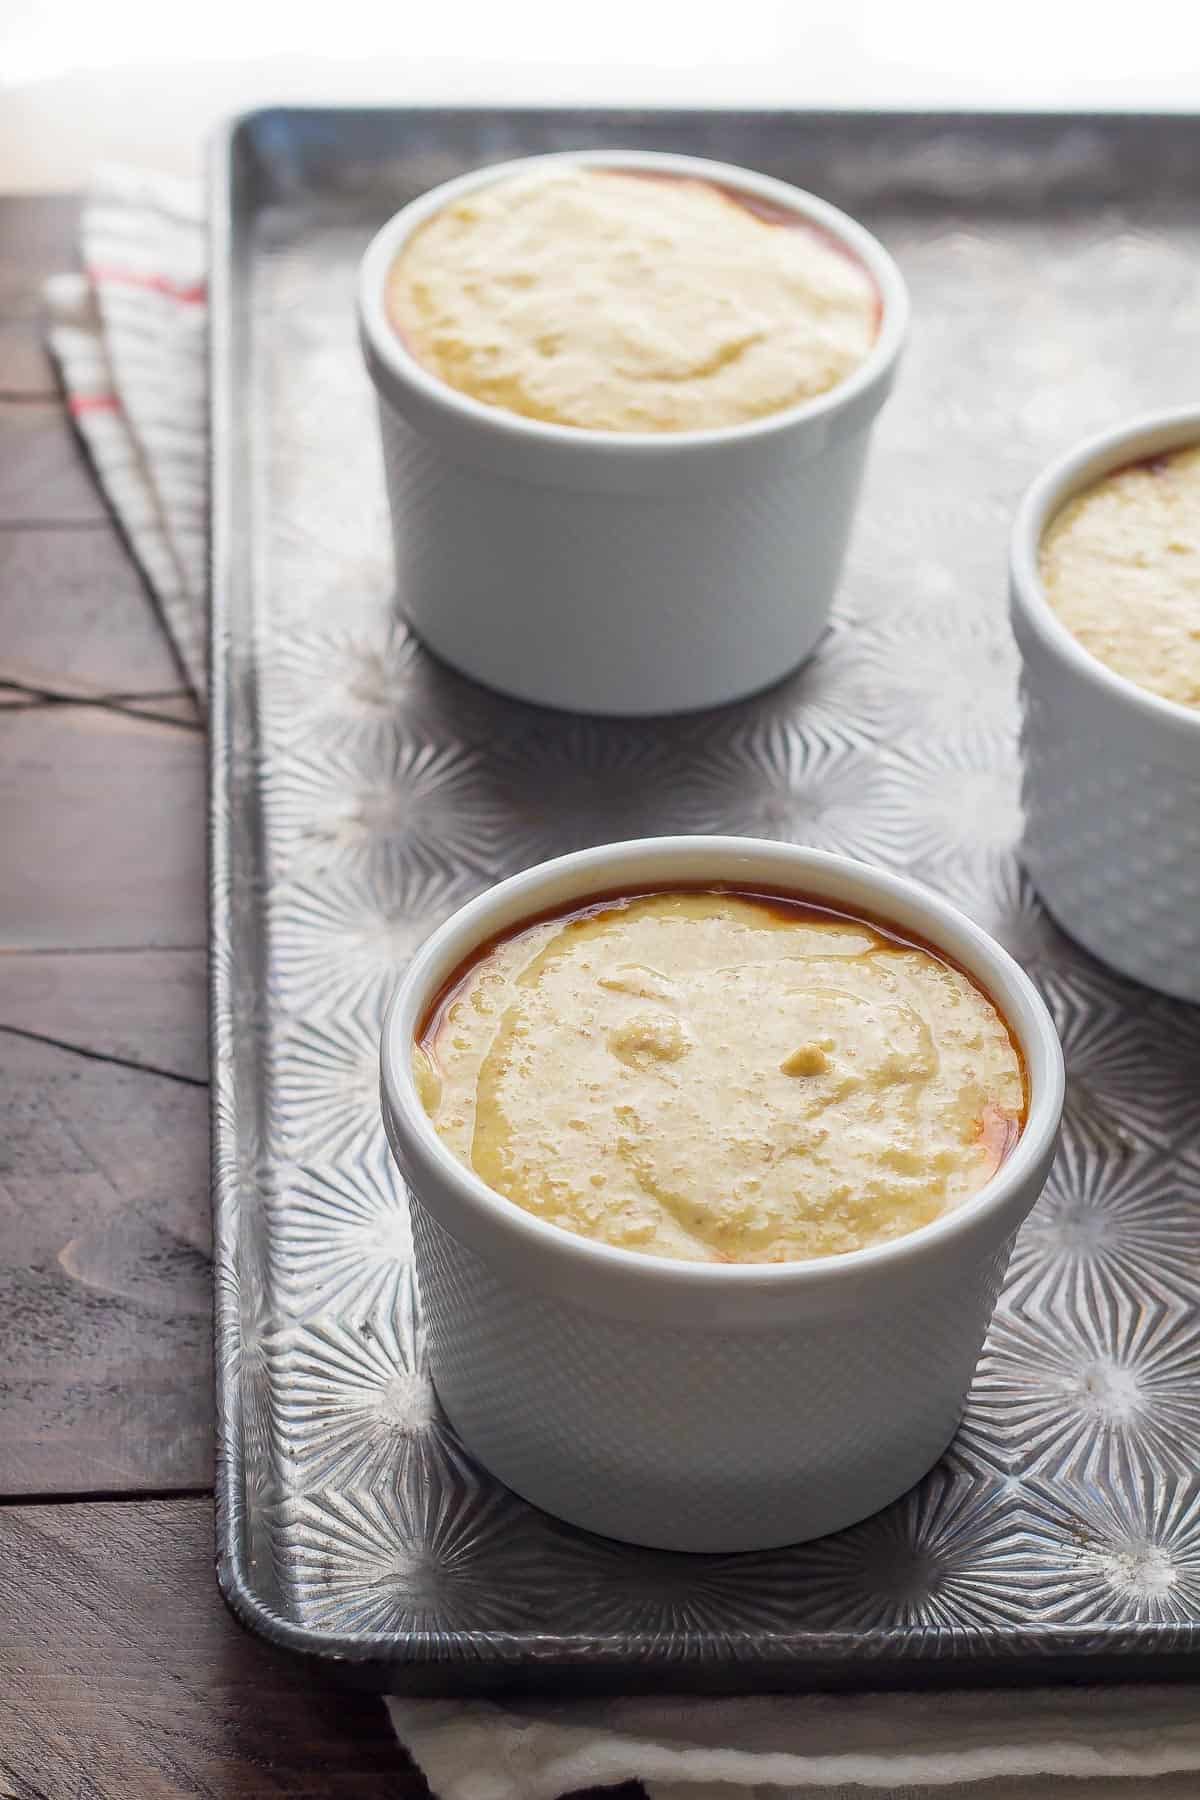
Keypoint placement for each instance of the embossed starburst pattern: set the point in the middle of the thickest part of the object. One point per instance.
(349, 686)
(595, 780)
(1107, 1225)
(381, 810)
(943, 672)
(820, 786)
(1067, 1394)
(343, 1240)
(327, 1088)
(350, 1398)
(1127, 1553)
(1001, 898)
(335, 945)
(1131, 1060)
(600, 1588)
(955, 1556)
(959, 798)
(427, 1553)
(366, 791)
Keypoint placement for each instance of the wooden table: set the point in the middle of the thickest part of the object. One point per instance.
(121, 1674)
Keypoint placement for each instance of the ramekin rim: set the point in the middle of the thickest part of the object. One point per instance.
(1037, 1137)
(405, 368)
(1067, 475)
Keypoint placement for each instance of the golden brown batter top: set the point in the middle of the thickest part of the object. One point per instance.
(1121, 567)
(721, 1077)
(622, 302)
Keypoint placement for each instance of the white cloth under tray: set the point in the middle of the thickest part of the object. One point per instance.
(129, 338)
(1018, 1744)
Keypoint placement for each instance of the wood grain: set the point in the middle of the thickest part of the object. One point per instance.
(125, 1679)
(37, 240)
(44, 477)
(26, 371)
(149, 1008)
(75, 616)
(102, 822)
(104, 1226)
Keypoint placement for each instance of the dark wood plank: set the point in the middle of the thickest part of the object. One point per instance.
(44, 477)
(146, 1008)
(26, 371)
(104, 1225)
(180, 709)
(102, 823)
(75, 615)
(38, 238)
(125, 1679)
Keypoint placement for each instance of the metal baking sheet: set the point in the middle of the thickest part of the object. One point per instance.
(360, 792)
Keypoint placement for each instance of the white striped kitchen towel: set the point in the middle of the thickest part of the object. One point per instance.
(129, 338)
(1096, 1743)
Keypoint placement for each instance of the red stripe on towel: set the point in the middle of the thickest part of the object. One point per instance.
(104, 274)
(86, 403)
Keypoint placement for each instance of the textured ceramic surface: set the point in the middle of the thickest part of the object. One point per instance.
(698, 1440)
(361, 793)
(703, 1407)
(1111, 774)
(618, 603)
(594, 570)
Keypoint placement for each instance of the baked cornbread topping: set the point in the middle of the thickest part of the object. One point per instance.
(621, 301)
(721, 1076)
(1120, 565)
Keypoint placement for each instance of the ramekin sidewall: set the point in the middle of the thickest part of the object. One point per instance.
(613, 602)
(1111, 773)
(698, 1438)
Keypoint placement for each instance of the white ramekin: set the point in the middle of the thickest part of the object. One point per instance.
(699, 1406)
(615, 572)
(1112, 772)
